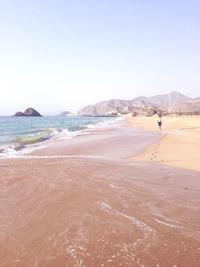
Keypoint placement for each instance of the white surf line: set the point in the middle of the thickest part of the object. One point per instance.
(142, 226)
(148, 232)
(168, 222)
(56, 156)
(132, 164)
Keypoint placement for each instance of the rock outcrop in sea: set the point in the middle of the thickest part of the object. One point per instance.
(65, 113)
(29, 112)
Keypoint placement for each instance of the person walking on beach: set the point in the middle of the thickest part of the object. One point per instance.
(159, 122)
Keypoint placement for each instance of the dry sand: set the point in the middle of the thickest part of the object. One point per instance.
(179, 143)
(81, 202)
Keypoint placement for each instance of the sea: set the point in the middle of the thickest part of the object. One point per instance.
(22, 135)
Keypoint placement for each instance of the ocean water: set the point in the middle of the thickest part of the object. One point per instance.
(21, 135)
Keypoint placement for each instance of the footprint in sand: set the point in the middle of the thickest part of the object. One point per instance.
(153, 155)
(155, 151)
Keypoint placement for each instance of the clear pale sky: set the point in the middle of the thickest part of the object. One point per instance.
(62, 55)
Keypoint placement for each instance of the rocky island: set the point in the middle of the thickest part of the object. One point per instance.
(65, 113)
(29, 112)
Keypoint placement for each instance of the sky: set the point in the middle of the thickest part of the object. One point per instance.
(62, 55)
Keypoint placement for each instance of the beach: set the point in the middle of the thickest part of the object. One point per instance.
(123, 195)
(178, 143)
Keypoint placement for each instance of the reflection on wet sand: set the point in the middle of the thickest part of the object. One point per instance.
(83, 203)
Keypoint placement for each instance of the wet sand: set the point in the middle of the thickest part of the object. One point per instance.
(82, 202)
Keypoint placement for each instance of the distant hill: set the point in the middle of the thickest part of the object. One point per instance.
(196, 101)
(115, 106)
(186, 108)
(172, 102)
(167, 100)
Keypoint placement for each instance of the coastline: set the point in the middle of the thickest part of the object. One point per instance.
(18, 142)
(82, 202)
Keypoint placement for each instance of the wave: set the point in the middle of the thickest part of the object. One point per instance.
(105, 123)
(35, 139)
(28, 140)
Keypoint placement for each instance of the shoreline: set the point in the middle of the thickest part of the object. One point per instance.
(83, 202)
(44, 137)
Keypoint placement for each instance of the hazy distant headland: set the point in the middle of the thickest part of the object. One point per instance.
(173, 103)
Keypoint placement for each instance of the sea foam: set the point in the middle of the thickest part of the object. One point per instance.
(26, 135)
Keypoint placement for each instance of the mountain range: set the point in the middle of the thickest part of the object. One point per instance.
(174, 102)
